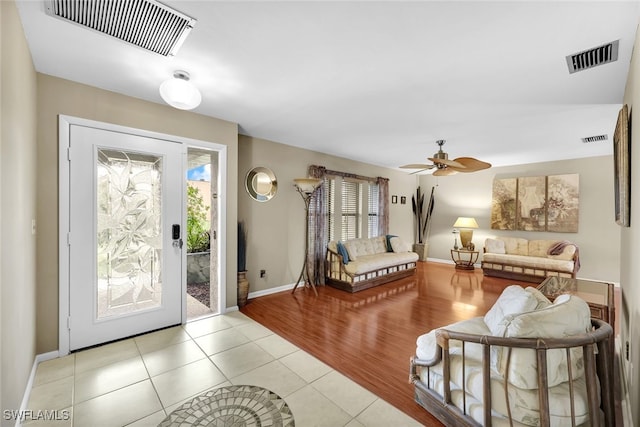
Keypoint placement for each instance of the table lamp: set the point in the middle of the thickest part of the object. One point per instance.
(466, 226)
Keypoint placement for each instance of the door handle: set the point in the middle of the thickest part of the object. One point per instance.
(175, 235)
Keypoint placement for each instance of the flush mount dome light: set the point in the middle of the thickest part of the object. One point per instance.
(179, 92)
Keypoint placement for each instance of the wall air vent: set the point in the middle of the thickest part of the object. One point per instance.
(144, 23)
(593, 57)
(596, 138)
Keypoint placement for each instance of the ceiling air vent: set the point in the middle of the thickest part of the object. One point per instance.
(596, 138)
(144, 23)
(593, 57)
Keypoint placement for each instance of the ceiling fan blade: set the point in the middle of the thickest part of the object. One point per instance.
(445, 172)
(447, 162)
(471, 165)
(417, 166)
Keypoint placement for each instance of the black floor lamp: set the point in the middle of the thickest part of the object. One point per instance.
(306, 187)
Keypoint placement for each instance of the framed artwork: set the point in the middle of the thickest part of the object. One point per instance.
(530, 212)
(622, 168)
(563, 202)
(503, 204)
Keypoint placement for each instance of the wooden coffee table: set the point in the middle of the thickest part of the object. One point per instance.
(464, 259)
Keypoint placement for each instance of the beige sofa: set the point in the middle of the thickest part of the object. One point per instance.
(359, 264)
(529, 260)
(527, 362)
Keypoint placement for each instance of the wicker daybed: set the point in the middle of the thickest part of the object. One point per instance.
(564, 381)
(359, 264)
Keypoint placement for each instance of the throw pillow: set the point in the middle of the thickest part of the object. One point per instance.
(494, 246)
(513, 300)
(398, 245)
(343, 251)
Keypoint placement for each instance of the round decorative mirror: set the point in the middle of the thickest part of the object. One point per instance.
(261, 184)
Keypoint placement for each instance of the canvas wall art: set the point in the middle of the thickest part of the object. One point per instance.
(503, 205)
(536, 203)
(563, 203)
(531, 204)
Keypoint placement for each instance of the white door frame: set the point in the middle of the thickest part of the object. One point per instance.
(64, 125)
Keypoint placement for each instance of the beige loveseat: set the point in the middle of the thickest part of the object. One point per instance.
(529, 260)
(526, 362)
(359, 264)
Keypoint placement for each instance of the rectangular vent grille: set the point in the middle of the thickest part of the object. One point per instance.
(593, 57)
(144, 23)
(596, 138)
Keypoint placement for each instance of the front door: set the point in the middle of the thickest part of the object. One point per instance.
(125, 239)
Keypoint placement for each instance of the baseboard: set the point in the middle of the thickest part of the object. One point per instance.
(625, 402)
(270, 291)
(32, 376)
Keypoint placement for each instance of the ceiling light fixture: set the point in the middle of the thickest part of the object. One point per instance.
(179, 92)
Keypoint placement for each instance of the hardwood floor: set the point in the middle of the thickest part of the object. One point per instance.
(369, 336)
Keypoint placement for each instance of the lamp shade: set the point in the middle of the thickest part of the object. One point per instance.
(179, 92)
(463, 222)
(307, 185)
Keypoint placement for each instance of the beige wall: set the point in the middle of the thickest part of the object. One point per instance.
(276, 228)
(598, 236)
(630, 249)
(17, 210)
(57, 96)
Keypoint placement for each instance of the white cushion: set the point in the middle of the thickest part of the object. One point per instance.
(531, 262)
(494, 246)
(359, 247)
(367, 263)
(567, 316)
(524, 404)
(426, 344)
(513, 300)
(398, 245)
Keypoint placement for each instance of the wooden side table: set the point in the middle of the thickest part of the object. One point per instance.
(599, 295)
(464, 259)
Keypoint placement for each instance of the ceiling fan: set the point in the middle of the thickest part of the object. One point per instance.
(449, 167)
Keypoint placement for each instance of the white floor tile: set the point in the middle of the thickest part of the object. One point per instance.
(189, 380)
(240, 360)
(118, 408)
(344, 392)
(273, 376)
(55, 369)
(103, 380)
(221, 341)
(172, 357)
(305, 365)
(52, 395)
(105, 355)
(382, 414)
(207, 326)
(161, 339)
(276, 346)
(311, 409)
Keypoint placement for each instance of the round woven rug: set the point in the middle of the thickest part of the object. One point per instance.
(237, 406)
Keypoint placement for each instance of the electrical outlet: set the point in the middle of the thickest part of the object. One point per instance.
(263, 273)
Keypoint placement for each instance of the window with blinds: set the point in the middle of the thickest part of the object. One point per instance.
(373, 211)
(351, 211)
(348, 203)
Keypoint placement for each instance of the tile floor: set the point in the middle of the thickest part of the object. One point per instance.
(138, 381)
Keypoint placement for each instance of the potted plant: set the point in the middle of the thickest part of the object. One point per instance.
(422, 222)
(198, 238)
(243, 282)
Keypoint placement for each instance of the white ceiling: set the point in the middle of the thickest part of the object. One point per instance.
(377, 82)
